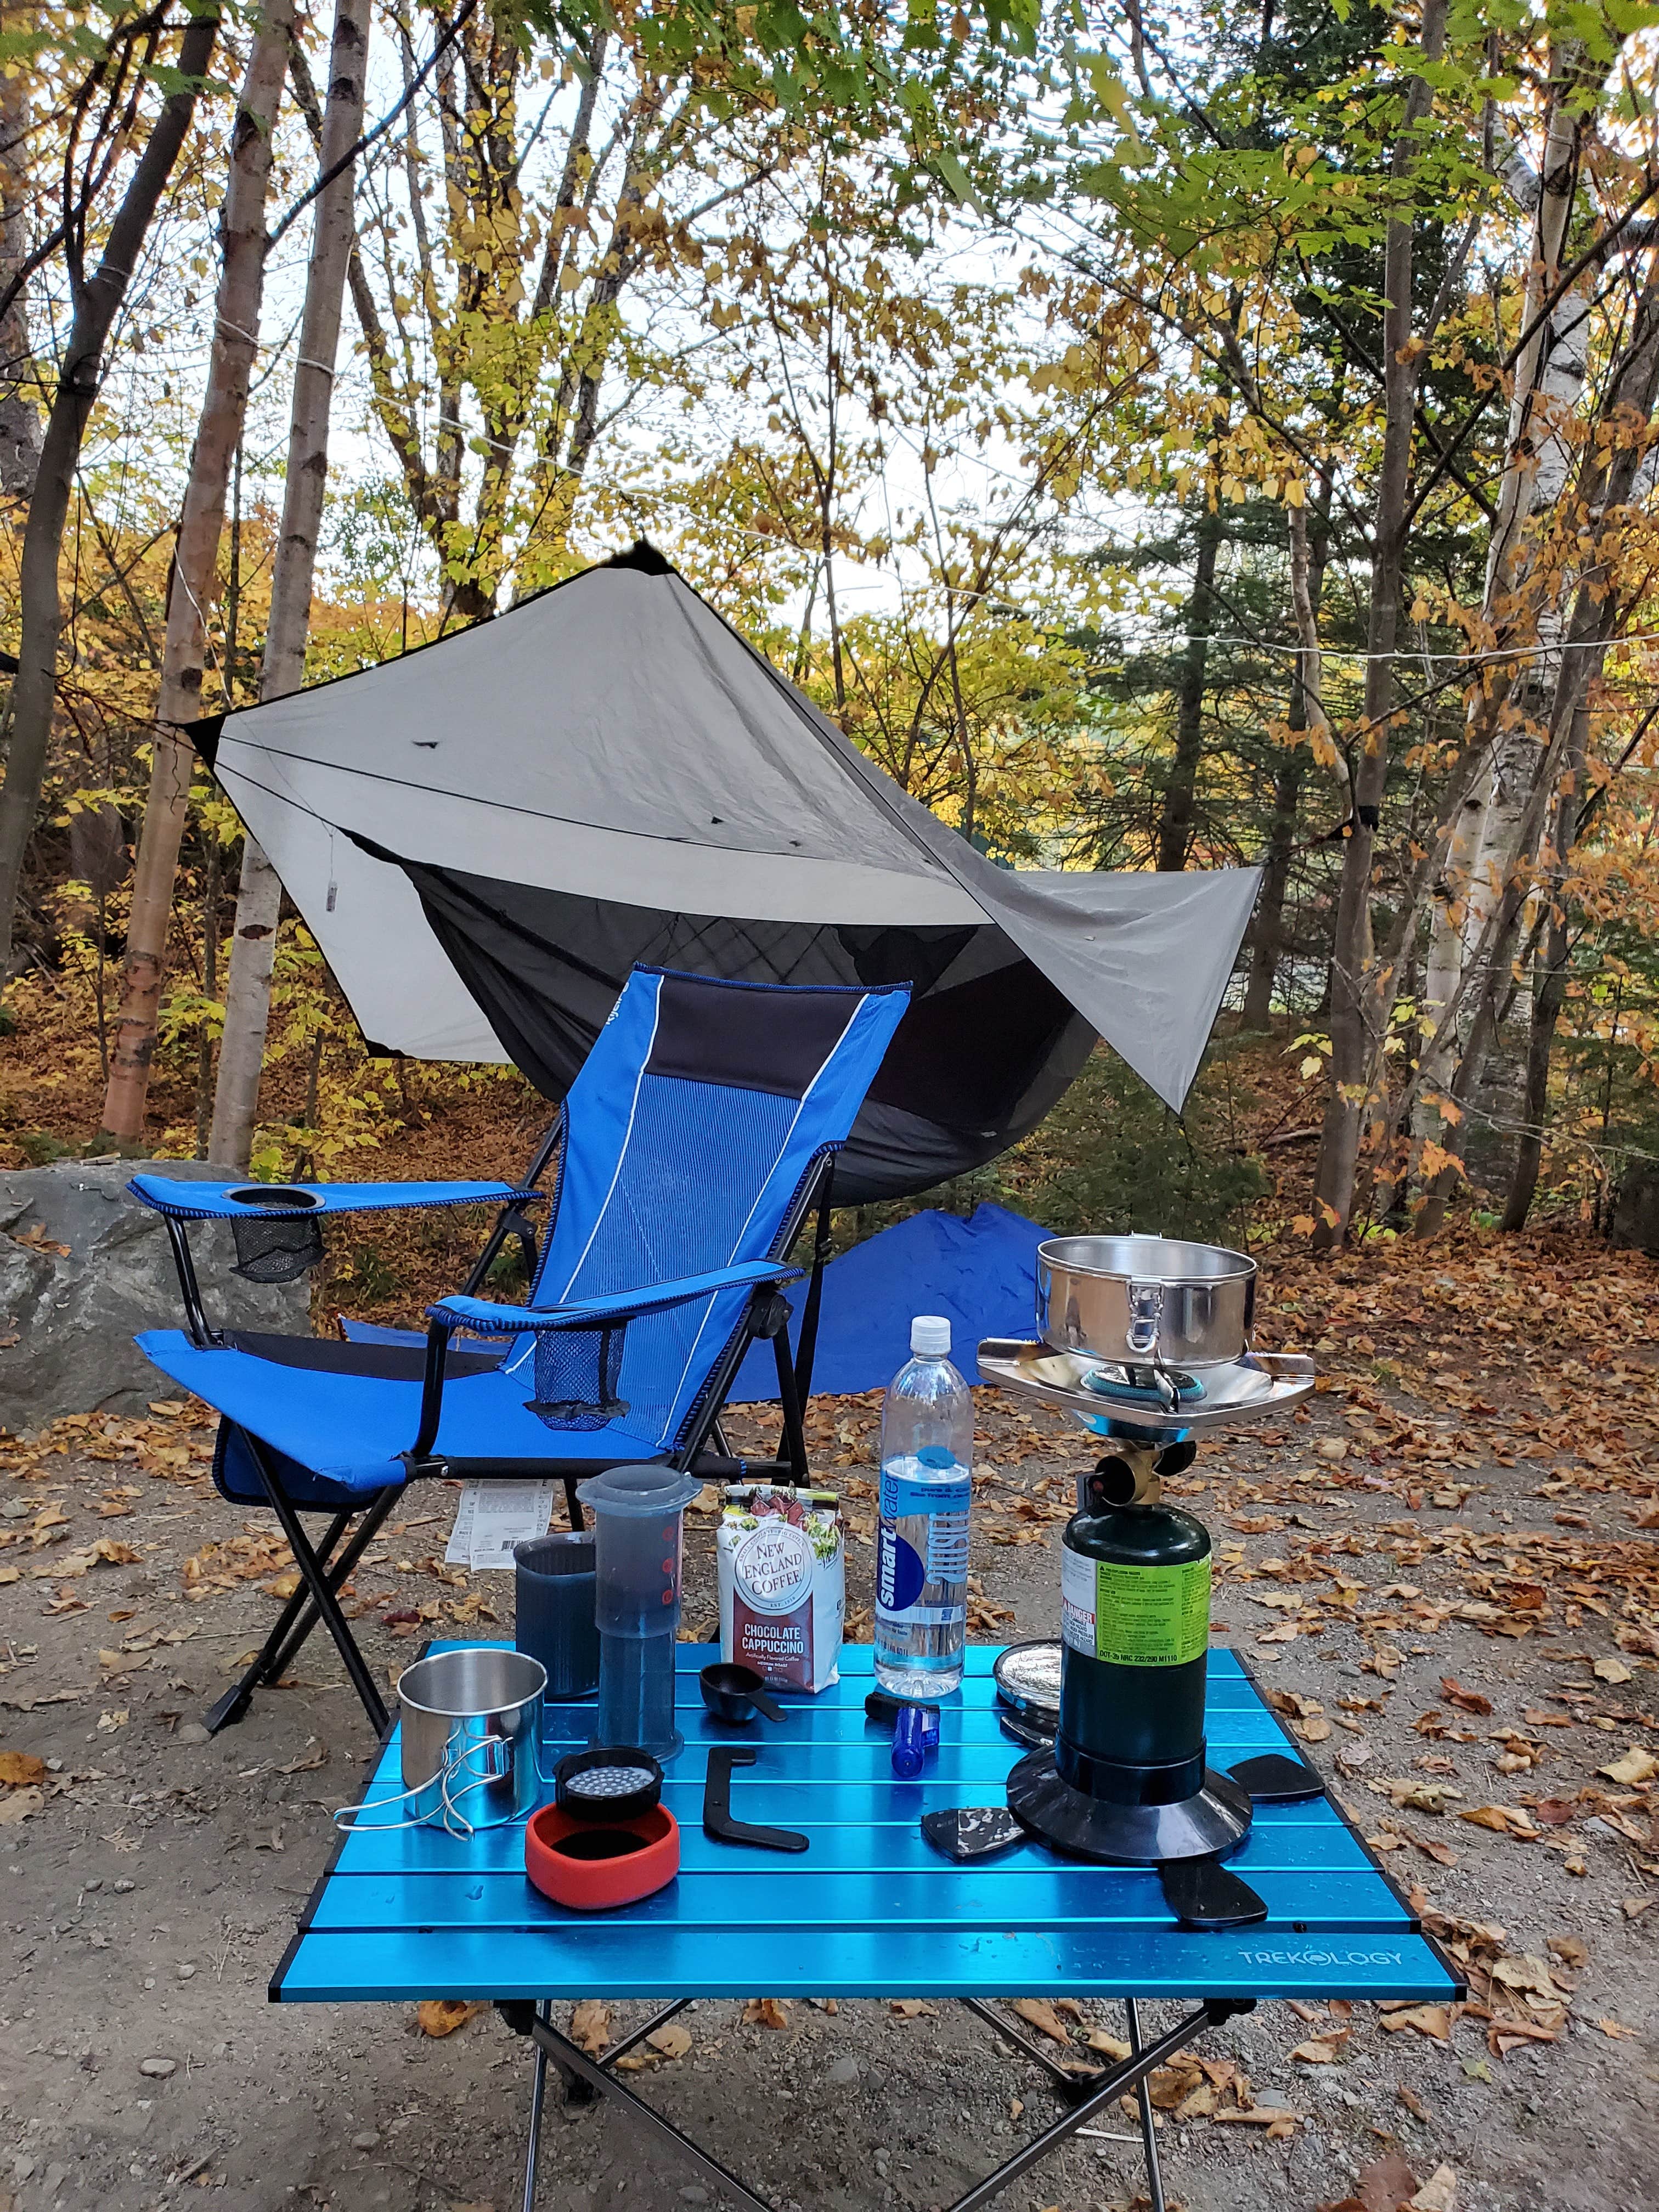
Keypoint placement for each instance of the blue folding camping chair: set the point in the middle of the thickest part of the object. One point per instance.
(700, 1131)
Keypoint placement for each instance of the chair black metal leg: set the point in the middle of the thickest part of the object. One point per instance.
(339, 1574)
(573, 1506)
(233, 1706)
(322, 1595)
(794, 1433)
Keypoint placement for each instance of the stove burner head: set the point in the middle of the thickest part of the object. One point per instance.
(1166, 1389)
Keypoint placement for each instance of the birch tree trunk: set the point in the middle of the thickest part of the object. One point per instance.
(20, 423)
(34, 688)
(1521, 607)
(1549, 988)
(1353, 1008)
(259, 902)
(194, 582)
(1599, 613)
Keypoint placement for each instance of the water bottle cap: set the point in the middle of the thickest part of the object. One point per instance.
(930, 1336)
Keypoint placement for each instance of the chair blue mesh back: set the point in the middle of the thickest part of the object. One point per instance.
(695, 1118)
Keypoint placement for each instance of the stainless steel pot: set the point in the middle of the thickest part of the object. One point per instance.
(1151, 1300)
(471, 1736)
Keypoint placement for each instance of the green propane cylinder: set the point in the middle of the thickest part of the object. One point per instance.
(1135, 1624)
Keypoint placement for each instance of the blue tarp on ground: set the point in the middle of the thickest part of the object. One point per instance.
(980, 1273)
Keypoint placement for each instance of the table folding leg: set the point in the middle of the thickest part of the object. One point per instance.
(1102, 2090)
(1143, 2098)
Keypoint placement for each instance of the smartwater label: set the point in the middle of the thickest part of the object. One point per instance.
(902, 1495)
(1134, 1616)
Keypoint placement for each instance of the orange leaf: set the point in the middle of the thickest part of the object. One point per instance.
(443, 2015)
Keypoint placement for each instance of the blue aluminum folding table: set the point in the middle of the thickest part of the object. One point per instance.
(871, 1910)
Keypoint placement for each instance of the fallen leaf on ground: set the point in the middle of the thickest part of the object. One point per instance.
(1634, 1907)
(1408, 1796)
(1169, 2086)
(1438, 2194)
(1611, 1670)
(1275, 2118)
(1380, 2186)
(906, 2008)
(443, 2015)
(20, 1768)
(1431, 2020)
(20, 1805)
(1109, 2046)
(1039, 2014)
(1614, 2028)
(314, 1755)
(1525, 1971)
(1636, 1764)
(1413, 2104)
(672, 2041)
(1503, 1819)
(1570, 1950)
(1470, 1701)
(773, 2012)
(1321, 2050)
(590, 2026)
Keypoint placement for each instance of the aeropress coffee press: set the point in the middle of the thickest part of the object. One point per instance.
(639, 1515)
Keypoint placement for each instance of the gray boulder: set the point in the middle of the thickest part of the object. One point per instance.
(68, 1317)
(1636, 1208)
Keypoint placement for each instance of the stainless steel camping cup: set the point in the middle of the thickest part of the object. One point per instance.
(1153, 1300)
(471, 1736)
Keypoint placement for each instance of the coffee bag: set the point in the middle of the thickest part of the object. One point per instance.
(782, 1584)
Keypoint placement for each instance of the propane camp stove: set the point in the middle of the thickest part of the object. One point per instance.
(1125, 1781)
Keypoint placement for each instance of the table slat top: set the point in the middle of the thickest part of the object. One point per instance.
(870, 1910)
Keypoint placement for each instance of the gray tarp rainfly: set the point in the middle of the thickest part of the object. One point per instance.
(485, 835)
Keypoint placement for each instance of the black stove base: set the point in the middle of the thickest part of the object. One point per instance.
(1209, 1825)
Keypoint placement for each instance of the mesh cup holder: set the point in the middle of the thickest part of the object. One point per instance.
(276, 1248)
(577, 1371)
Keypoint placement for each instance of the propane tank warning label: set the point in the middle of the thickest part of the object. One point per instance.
(1135, 1616)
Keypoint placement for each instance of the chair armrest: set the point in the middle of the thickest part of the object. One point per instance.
(182, 1200)
(616, 1305)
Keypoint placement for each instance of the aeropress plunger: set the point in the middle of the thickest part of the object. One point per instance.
(639, 1519)
(1125, 1781)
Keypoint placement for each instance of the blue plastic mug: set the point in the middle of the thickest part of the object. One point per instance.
(554, 1589)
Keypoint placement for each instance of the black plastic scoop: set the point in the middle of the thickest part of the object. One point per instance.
(736, 1693)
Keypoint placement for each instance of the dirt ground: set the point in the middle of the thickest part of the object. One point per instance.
(1444, 1570)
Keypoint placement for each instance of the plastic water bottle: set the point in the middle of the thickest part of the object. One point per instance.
(921, 1547)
